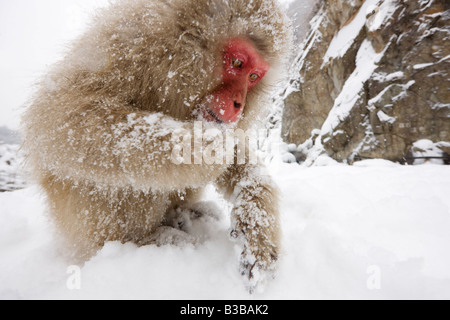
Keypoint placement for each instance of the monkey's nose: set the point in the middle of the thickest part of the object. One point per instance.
(237, 105)
(239, 99)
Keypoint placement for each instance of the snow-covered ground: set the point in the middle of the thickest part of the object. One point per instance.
(374, 230)
(370, 231)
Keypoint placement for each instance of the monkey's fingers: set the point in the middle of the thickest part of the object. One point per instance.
(257, 272)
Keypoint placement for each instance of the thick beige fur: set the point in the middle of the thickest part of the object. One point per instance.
(98, 132)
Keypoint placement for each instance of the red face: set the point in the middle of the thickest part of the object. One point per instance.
(242, 69)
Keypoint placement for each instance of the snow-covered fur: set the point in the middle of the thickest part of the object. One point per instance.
(98, 132)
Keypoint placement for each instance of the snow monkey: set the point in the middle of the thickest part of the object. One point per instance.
(98, 132)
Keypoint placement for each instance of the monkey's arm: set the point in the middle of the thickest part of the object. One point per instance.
(112, 145)
(255, 217)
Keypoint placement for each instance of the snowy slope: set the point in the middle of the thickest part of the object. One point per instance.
(343, 226)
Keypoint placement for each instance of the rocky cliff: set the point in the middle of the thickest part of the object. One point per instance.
(371, 80)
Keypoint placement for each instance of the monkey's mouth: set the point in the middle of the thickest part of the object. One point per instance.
(213, 116)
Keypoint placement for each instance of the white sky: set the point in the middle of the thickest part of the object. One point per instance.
(33, 34)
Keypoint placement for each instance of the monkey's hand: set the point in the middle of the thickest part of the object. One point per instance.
(256, 225)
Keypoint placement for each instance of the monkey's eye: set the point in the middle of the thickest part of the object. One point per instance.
(237, 63)
(254, 77)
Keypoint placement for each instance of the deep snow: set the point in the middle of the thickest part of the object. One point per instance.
(374, 230)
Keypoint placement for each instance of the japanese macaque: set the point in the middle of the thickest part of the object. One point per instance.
(97, 134)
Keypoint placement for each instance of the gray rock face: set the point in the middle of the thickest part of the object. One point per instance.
(372, 78)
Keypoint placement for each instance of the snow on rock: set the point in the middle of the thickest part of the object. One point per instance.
(366, 62)
(10, 161)
(343, 40)
(10, 165)
(385, 118)
(339, 224)
(381, 14)
(426, 151)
